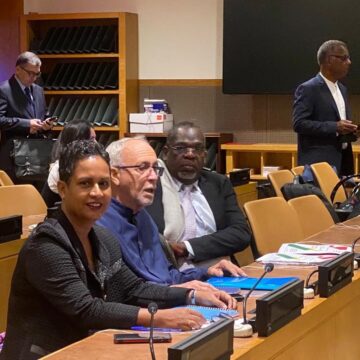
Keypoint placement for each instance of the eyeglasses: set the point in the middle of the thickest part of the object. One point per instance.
(183, 149)
(143, 168)
(341, 57)
(31, 73)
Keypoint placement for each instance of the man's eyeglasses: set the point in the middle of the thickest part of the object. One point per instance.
(143, 168)
(31, 73)
(341, 57)
(183, 149)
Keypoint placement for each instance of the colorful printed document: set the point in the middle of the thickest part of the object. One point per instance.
(269, 283)
(304, 254)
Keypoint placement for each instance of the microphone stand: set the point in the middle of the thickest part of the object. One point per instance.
(356, 255)
(244, 329)
(152, 308)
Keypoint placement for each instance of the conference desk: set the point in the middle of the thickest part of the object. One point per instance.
(8, 257)
(326, 330)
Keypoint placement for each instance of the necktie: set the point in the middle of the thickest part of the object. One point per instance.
(30, 99)
(189, 214)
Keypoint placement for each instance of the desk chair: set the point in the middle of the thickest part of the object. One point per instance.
(273, 222)
(326, 178)
(280, 178)
(312, 214)
(5, 179)
(21, 200)
(298, 170)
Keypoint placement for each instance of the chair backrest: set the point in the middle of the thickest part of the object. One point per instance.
(273, 222)
(312, 214)
(298, 170)
(5, 179)
(280, 178)
(21, 200)
(327, 178)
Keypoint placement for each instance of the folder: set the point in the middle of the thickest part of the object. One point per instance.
(74, 76)
(112, 79)
(54, 40)
(45, 40)
(79, 48)
(52, 76)
(75, 40)
(84, 68)
(270, 283)
(110, 116)
(59, 72)
(91, 38)
(65, 110)
(59, 41)
(94, 110)
(108, 43)
(65, 46)
(105, 100)
(81, 107)
(104, 76)
(69, 71)
(88, 76)
(87, 110)
(59, 107)
(95, 46)
(100, 68)
(72, 111)
(51, 105)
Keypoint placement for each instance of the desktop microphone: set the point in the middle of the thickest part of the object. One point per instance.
(245, 329)
(152, 309)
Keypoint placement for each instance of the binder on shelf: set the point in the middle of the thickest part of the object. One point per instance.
(72, 111)
(91, 38)
(100, 68)
(54, 82)
(94, 110)
(95, 46)
(52, 76)
(59, 107)
(87, 110)
(59, 41)
(64, 48)
(100, 84)
(67, 106)
(75, 40)
(81, 107)
(75, 74)
(112, 79)
(44, 43)
(83, 38)
(84, 68)
(110, 117)
(108, 43)
(88, 76)
(69, 71)
(53, 40)
(104, 103)
(51, 105)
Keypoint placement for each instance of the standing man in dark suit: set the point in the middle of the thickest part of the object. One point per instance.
(22, 108)
(196, 210)
(321, 114)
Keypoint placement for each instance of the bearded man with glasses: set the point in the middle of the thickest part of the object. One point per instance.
(321, 114)
(22, 108)
(195, 209)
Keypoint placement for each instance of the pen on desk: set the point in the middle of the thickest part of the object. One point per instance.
(143, 328)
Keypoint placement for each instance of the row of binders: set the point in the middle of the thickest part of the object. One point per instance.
(83, 76)
(99, 111)
(77, 39)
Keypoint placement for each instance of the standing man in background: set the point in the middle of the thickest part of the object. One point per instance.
(22, 108)
(195, 209)
(321, 115)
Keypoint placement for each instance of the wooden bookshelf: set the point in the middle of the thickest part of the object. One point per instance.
(33, 28)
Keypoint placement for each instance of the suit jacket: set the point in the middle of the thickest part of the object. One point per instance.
(232, 233)
(314, 119)
(15, 114)
(56, 299)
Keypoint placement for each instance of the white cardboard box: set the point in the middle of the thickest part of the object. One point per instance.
(151, 122)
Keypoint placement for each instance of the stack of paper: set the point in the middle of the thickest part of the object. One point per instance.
(304, 254)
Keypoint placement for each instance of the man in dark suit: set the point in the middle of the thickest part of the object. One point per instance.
(196, 210)
(22, 108)
(321, 112)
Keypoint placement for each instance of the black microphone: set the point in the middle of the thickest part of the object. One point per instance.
(267, 268)
(152, 308)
